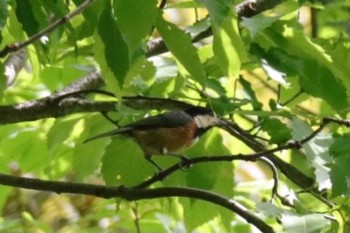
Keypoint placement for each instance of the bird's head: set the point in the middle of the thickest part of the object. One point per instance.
(204, 118)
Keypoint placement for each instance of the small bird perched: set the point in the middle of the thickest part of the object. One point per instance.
(167, 133)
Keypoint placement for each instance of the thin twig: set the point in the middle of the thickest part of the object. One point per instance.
(135, 210)
(19, 45)
(274, 176)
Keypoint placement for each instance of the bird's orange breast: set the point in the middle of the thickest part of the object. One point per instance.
(165, 140)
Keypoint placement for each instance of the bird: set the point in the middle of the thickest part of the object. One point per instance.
(167, 133)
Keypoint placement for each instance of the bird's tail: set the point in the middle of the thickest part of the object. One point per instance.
(108, 134)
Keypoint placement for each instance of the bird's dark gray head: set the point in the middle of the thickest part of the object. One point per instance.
(195, 111)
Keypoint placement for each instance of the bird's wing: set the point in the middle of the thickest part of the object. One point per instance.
(166, 120)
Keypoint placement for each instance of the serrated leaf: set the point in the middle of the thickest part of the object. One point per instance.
(135, 19)
(318, 74)
(278, 131)
(320, 82)
(316, 151)
(114, 49)
(180, 45)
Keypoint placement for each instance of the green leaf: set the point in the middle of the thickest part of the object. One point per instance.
(316, 151)
(340, 176)
(180, 45)
(261, 21)
(228, 46)
(135, 20)
(124, 163)
(87, 156)
(278, 131)
(111, 49)
(340, 173)
(91, 16)
(3, 81)
(340, 146)
(258, 23)
(319, 76)
(25, 15)
(304, 224)
(59, 132)
(218, 10)
(54, 77)
(140, 77)
(247, 87)
(27, 148)
(214, 177)
(3, 14)
(320, 82)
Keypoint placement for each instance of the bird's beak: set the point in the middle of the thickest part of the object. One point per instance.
(220, 122)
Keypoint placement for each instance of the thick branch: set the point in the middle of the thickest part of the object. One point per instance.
(49, 107)
(133, 194)
(55, 105)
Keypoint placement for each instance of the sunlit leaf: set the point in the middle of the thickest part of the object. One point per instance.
(316, 151)
(304, 224)
(112, 50)
(124, 163)
(179, 43)
(87, 156)
(135, 19)
(215, 177)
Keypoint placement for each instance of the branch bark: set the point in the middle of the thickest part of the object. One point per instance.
(132, 194)
(55, 105)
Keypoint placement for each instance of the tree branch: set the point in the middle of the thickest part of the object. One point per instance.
(132, 194)
(13, 64)
(17, 46)
(55, 105)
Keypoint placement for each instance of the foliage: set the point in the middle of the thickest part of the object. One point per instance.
(274, 75)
